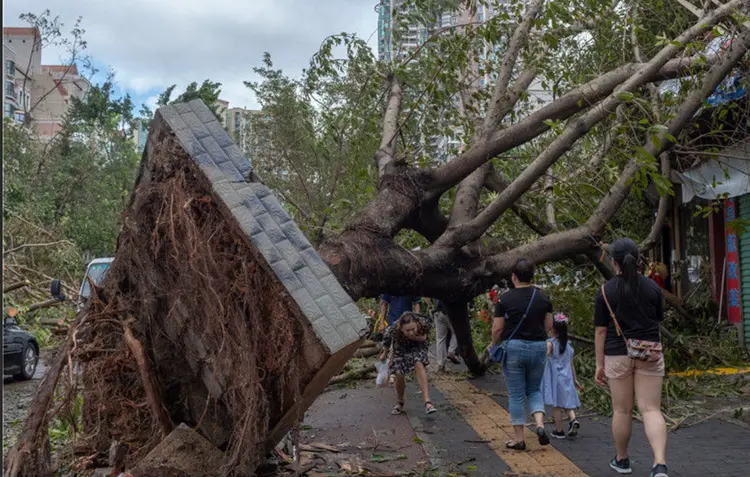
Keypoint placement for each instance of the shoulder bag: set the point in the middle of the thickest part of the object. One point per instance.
(642, 350)
(498, 352)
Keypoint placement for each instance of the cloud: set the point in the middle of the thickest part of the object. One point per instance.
(153, 44)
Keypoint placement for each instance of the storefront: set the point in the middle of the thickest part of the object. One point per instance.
(724, 183)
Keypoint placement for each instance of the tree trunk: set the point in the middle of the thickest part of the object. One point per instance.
(461, 321)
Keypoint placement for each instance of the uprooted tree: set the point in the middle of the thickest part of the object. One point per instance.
(565, 167)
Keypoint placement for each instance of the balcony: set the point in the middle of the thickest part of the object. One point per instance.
(10, 90)
(10, 69)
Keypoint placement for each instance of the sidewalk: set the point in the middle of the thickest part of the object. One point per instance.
(467, 436)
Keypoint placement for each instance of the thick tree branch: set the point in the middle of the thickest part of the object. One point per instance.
(576, 130)
(571, 103)
(467, 196)
(385, 156)
(529, 217)
(517, 41)
(585, 238)
(690, 105)
(466, 203)
(429, 221)
(661, 214)
(609, 141)
(549, 195)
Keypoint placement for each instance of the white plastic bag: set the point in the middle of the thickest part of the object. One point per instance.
(382, 379)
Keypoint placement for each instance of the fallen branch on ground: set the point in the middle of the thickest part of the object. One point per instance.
(30, 245)
(367, 352)
(356, 374)
(16, 286)
(581, 339)
(45, 304)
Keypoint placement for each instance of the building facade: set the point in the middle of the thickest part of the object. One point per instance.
(22, 59)
(37, 95)
(57, 85)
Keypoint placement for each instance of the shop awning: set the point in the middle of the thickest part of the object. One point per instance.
(728, 175)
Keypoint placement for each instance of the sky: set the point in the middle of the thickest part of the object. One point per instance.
(152, 44)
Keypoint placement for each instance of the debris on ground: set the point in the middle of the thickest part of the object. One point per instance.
(182, 450)
(216, 312)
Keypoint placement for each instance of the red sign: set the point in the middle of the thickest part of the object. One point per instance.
(734, 308)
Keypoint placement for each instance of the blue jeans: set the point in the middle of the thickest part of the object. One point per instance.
(524, 370)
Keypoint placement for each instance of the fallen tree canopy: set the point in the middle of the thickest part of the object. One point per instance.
(461, 258)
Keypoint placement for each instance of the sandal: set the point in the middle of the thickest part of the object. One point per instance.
(429, 408)
(519, 446)
(543, 436)
(398, 409)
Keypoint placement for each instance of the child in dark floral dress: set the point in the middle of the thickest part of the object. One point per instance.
(408, 343)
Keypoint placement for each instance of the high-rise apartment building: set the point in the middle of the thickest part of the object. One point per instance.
(395, 46)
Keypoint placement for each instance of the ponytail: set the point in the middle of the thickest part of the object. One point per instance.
(629, 269)
(561, 328)
(625, 253)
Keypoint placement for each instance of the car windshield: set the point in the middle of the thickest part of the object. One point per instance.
(97, 272)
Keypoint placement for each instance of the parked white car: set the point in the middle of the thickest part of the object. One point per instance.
(96, 270)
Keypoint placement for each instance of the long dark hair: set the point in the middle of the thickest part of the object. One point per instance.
(624, 251)
(561, 328)
(408, 318)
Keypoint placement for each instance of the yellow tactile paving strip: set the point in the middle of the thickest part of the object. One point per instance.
(492, 423)
(716, 371)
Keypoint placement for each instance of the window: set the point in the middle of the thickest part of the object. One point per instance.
(10, 67)
(19, 117)
(10, 89)
(8, 110)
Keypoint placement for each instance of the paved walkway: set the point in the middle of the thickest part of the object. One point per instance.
(467, 436)
(711, 448)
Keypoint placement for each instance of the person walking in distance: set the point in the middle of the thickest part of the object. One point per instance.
(407, 340)
(559, 383)
(627, 315)
(446, 345)
(392, 306)
(523, 318)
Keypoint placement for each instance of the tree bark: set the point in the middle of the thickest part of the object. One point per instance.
(661, 215)
(385, 156)
(16, 286)
(459, 315)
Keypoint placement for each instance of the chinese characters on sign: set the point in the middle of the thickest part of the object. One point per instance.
(734, 310)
